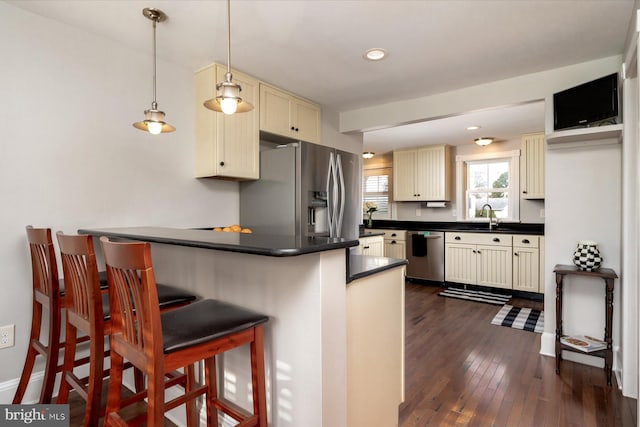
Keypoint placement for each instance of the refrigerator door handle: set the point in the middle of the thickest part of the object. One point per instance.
(342, 196)
(331, 208)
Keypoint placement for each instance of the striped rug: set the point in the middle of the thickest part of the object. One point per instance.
(520, 318)
(478, 296)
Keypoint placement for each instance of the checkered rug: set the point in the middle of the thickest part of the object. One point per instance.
(527, 319)
(478, 296)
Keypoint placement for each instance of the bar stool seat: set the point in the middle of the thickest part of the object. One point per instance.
(163, 342)
(205, 321)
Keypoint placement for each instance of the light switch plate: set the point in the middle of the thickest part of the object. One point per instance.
(418, 212)
(541, 213)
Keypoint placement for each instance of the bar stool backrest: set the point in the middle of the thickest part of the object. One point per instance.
(43, 265)
(135, 314)
(82, 284)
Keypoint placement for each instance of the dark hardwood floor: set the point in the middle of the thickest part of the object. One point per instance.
(461, 370)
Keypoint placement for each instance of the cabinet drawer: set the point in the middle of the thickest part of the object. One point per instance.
(395, 234)
(526, 241)
(479, 238)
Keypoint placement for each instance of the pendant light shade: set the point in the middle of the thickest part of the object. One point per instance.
(228, 100)
(153, 118)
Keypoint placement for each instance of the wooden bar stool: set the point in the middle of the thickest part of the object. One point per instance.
(87, 312)
(156, 343)
(46, 297)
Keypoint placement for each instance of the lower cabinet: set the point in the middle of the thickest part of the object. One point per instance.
(510, 261)
(371, 245)
(479, 259)
(526, 263)
(395, 243)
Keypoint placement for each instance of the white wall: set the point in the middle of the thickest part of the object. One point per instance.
(583, 202)
(69, 157)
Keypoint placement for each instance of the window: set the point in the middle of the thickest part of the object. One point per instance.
(488, 179)
(375, 188)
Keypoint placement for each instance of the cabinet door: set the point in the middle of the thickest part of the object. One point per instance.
(238, 148)
(274, 111)
(395, 249)
(305, 119)
(525, 269)
(432, 173)
(404, 175)
(373, 246)
(495, 266)
(532, 167)
(226, 146)
(460, 263)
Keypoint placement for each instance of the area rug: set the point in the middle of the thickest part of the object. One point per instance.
(478, 296)
(527, 319)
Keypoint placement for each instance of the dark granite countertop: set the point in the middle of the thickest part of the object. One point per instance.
(364, 265)
(469, 227)
(256, 244)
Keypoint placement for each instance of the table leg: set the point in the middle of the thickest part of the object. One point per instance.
(559, 278)
(608, 361)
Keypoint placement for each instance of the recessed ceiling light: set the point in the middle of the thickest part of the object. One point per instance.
(375, 54)
(474, 127)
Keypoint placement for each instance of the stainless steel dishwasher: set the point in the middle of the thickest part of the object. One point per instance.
(425, 253)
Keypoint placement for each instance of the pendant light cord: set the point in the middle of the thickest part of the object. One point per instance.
(228, 36)
(154, 104)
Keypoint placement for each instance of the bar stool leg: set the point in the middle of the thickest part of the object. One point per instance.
(69, 355)
(53, 351)
(212, 391)
(31, 353)
(257, 377)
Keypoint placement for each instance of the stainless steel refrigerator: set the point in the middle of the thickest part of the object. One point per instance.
(304, 190)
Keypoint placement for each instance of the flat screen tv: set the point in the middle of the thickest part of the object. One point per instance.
(586, 104)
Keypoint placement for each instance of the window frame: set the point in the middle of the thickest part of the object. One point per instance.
(462, 179)
(387, 171)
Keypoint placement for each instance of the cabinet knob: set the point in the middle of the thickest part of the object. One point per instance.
(474, 251)
(516, 254)
(393, 234)
(296, 129)
(525, 241)
(524, 191)
(293, 128)
(478, 252)
(221, 163)
(458, 238)
(365, 247)
(495, 239)
(393, 242)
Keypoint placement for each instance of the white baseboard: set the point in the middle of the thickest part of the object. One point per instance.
(31, 395)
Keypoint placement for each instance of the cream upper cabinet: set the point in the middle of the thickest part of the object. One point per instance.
(284, 114)
(532, 166)
(227, 146)
(422, 174)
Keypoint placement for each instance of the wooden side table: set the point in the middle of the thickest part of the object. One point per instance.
(608, 275)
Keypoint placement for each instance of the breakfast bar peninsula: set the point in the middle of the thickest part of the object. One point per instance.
(331, 314)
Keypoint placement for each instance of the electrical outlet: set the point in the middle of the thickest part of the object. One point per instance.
(6, 336)
(418, 212)
(541, 213)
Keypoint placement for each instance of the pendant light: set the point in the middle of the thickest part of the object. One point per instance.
(228, 100)
(153, 118)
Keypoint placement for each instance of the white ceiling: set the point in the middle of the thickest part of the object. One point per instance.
(314, 47)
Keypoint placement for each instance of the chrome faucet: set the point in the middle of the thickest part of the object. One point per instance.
(489, 215)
